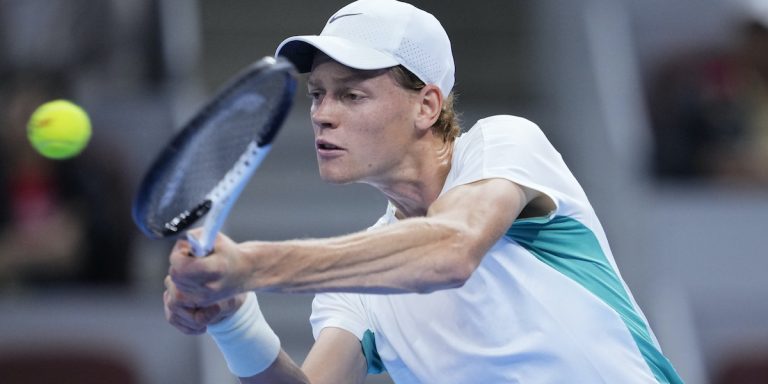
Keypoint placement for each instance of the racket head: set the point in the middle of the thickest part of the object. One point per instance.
(250, 108)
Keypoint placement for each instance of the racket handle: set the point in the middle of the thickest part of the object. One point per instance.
(198, 248)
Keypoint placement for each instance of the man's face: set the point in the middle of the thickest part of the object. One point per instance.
(363, 123)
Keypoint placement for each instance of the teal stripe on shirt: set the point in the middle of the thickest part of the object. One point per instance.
(368, 343)
(572, 249)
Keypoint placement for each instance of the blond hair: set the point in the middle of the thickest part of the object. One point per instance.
(447, 125)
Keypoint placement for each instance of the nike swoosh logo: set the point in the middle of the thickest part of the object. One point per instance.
(336, 17)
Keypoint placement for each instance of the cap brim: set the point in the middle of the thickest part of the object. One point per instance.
(300, 50)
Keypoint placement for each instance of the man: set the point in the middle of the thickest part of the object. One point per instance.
(489, 265)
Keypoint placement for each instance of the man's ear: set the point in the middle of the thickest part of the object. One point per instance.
(430, 106)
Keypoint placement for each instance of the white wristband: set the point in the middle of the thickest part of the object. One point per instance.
(245, 339)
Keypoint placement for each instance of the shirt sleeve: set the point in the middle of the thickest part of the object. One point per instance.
(338, 310)
(515, 149)
(346, 311)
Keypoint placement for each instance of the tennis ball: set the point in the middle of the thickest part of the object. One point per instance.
(59, 129)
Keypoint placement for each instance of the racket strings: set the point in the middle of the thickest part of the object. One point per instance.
(231, 179)
(215, 150)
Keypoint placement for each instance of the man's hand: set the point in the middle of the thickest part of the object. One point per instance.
(203, 281)
(186, 316)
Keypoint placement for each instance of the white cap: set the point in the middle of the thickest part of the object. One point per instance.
(377, 34)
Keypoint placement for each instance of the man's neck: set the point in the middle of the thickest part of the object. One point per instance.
(418, 185)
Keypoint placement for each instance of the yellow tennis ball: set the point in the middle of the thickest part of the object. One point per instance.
(59, 129)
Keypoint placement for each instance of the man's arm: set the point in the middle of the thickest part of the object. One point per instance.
(438, 251)
(282, 371)
(336, 357)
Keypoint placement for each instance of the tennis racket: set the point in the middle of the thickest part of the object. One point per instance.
(202, 171)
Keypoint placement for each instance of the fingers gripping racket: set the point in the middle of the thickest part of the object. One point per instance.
(202, 171)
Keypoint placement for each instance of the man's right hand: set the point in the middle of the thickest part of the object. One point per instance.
(191, 319)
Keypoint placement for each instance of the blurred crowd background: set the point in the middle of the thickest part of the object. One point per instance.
(660, 108)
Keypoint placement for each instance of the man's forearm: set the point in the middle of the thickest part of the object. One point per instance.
(421, 254)
(415, 255)
(282, 371)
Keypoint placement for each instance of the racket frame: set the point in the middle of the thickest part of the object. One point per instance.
(224, 195)
(217, 203)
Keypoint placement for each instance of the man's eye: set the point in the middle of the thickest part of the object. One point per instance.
(353, 96)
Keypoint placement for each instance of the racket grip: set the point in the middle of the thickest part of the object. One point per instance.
(198, 248)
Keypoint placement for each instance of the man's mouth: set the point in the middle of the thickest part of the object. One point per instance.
(323, 145)
(327, 146)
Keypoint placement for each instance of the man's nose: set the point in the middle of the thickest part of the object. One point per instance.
(324, 113)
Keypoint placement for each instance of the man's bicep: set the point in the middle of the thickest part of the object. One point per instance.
(486, 208)
(336, 357)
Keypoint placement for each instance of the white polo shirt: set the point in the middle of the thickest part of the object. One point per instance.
(546, 305)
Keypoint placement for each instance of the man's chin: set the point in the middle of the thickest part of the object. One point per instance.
(334, 178)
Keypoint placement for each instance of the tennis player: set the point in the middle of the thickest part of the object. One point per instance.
(488, 266)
